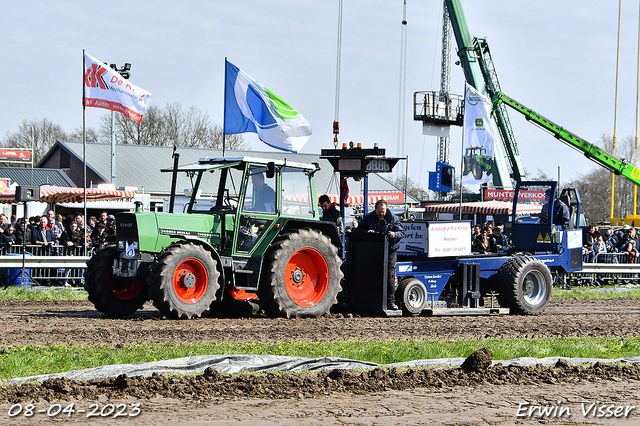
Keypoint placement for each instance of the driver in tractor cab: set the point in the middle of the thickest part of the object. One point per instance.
(560, 210)
(265, 195)
(330, 212)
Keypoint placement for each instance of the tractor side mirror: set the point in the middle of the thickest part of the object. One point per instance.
(271, 170)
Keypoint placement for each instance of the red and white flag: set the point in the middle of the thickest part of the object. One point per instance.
(105, 88)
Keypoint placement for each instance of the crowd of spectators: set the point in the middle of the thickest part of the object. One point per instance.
(487, 238)
(624, 240)
(55, 231)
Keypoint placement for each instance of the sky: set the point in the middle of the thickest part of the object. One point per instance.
(558, 58)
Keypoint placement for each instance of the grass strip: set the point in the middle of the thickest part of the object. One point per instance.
(26, 293)
(597, 293)
(22, 361)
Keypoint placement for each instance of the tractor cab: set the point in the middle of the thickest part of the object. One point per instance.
(250, 196)
(533, 220)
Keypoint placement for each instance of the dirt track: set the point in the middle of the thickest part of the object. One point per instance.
(485, 396)
(77, 322)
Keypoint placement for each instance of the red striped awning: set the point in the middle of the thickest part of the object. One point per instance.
(483, 207)
(352, 199)
(57, 194)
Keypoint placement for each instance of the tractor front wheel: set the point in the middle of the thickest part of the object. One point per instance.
(184, 281)
(302, 275)
(524, 285)
(113, 296)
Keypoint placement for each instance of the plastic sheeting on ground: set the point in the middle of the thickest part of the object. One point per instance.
(230, 364)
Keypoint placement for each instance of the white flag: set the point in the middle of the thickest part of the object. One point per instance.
(478, 138)
(105, 88)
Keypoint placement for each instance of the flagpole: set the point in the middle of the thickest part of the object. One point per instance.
(84, 154)
(462, 156)
(224, 114)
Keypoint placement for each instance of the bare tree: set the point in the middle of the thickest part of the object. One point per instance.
(412, 187)
(595, 186)
(540, 175)
(150, 130)
(216, 139)
(92, 135)
(169, 126)
(43, 133)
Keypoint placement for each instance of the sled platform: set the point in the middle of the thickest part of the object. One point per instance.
(443, 312)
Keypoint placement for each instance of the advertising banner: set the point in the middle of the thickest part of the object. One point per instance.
(449, 238)
(478, 139)
(15, 155)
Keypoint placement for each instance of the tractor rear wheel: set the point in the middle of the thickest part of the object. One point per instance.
(184, 281)
(302, 275)
(412, 295)
(524, 285)
(113, 296)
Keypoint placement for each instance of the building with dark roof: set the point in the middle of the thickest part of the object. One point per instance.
(26, 176)
(139, 166)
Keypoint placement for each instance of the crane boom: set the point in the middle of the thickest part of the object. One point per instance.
(480, 73)
(589, 150)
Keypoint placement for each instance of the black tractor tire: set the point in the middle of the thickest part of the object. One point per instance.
(184, 281)
(476, 170)
(524, 285)
(113, 296)
(301, 275)
(412, 296)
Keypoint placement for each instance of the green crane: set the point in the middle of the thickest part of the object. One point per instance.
(480, 72)
(589, 150)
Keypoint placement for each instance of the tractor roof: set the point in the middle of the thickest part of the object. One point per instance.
(207, 163)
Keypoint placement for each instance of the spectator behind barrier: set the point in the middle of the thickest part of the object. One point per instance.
(98, 237)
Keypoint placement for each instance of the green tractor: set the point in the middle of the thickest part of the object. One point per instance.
(255, 238)
(476, 163)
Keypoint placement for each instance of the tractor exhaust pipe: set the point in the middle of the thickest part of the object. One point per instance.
(174, 178)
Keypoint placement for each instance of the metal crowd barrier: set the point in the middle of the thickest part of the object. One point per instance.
(608, 269)
(51, 266)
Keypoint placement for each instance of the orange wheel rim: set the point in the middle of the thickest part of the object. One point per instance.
(190, 280)
(307, 277)
(128, 292)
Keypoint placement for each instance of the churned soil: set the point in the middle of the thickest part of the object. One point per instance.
(475, 393)
(78, 323)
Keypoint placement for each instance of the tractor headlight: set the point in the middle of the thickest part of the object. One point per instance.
(121, 245)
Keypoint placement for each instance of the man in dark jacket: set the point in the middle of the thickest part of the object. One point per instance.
(73, 238)
(330, 212)
(382, 221)
(43, 236)
(557, 210)
(499, 243)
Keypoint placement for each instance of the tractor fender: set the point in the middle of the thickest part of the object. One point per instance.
(327, 228)
(207, 246)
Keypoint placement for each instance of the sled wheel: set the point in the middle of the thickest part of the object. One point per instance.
(412, 295)
(302, 275)
(112, 295)
(184, 281)
(524, 285)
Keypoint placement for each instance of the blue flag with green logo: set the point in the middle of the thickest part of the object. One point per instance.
(251, 107)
